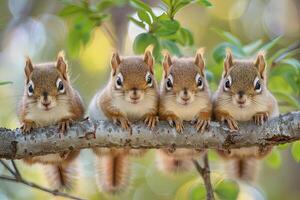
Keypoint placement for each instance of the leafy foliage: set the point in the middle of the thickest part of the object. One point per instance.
(5, 82)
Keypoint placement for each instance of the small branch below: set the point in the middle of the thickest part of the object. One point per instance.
(17, 178)
(205, 174)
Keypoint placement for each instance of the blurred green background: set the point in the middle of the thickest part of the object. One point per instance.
(90, 30)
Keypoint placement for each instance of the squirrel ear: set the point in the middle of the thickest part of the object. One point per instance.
(228, 62)
(115, 62)
(199, 61)
(167, 62)
(148, 58)
(28, 68)
(260, 63)
(61, 65)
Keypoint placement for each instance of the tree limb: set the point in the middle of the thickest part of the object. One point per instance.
(17, 177)
(42, 141)
(205, 174)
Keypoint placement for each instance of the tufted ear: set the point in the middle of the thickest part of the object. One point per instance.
(148, 58)
(167, 62)
(199, 61)
(28, 68)
(260, 64)
(61, 65)
(228, 62)
(115, 62)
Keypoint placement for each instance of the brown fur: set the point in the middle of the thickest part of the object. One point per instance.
(198, 109)
(258, 106)
(65, 107)
(115, 103)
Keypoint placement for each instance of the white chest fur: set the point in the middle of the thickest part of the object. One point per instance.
(50, 117)
(135, 112)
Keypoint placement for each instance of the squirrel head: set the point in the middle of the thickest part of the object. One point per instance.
(132, 77)
(184, 78)
(243, 80)
(47, 84)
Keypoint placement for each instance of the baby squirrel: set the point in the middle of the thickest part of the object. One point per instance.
(49, 99)
(130, 95)
(184, 96)
(242, 95)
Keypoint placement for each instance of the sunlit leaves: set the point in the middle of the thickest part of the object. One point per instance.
(5, 82)
(296, 151)
(274, 159)
(227, 190)
(143, 40)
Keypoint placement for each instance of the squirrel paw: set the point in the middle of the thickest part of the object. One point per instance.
(201, 122)
(27, 127)
(64, 126)
(232, 124)
(151, 120)
(123, 122)
(177, 123)
(260, 118)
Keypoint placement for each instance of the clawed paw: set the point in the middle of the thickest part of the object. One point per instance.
(64, 126)
(201, 124)
(123, 122)
(177, 123)
(151, 121)
(261, 118)
(232, 124)
(27, 127)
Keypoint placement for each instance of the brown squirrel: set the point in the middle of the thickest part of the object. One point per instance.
(130, 95)
(242, 95)
(49, 99)
(184, 96)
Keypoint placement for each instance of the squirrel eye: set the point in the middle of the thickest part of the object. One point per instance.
(30, 89)
(227, 84)
(119, 81)
(199, 81)
(169, 83)
(149, 79)
(60, 86)
(257, 85)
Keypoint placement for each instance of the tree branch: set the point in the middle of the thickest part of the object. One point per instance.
(42, 141)
(205, 174)
(17, 177)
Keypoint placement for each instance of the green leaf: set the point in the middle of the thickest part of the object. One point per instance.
(296, 151)
(187, 36)
(219, 51)
(283, 146)
(197, 193)
(253, 47)
(137, 22)
(144, 16)
(143, 40)
(167, 2)
(171, 47)
(228, 37)
(71, 10)
(287, 98)
(274, 159)
(205, 3)
(143, 6)
(167, 27)
(105, 4)
(227, 190)
(269, 45)
(5, 82)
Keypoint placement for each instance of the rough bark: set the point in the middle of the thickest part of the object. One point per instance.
(15, 145)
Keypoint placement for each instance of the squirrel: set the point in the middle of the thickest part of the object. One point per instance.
(242, 95)
(184, 96)
(130, 95)
(49, 99)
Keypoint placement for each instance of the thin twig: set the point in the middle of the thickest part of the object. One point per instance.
(205, 174)
(17, 178)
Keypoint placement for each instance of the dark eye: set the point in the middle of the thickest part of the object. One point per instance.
(227, 84)
(60, 86)
(169, 83)
(257, 85)
(149, 79)
(119, 81)
(199, 81)
(30, 89)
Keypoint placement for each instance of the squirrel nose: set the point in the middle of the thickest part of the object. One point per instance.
(185, 98)
(45, 95)
(241, 94)
(46, 104)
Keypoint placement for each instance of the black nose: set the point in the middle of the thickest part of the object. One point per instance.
(185, 91)
(134, 90)
(45, 95)
(241, 94)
